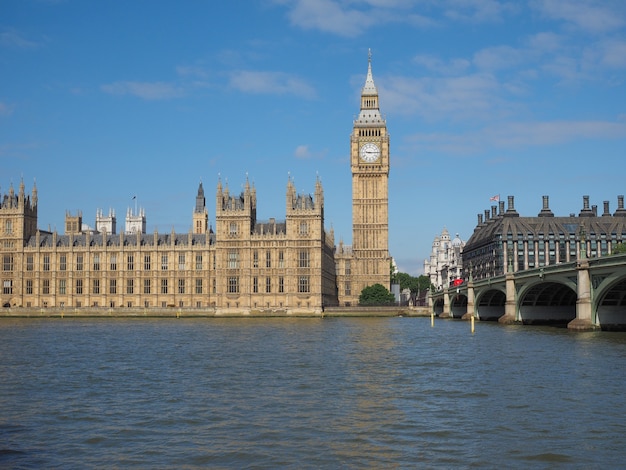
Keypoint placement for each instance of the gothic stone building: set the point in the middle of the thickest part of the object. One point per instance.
(246, 265)
(367, 261)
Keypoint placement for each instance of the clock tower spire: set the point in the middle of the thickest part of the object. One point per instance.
(369, 162)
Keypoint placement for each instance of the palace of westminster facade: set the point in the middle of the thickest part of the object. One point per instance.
(244, 265)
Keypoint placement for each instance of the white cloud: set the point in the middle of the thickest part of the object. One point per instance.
(6, 109)
(302, 152)
(145, 90)
(452, 98)
(12, 38)
(594, 16)
(516, 135)
(329, 16)
(453, 66)
(546, 42)
(352, 18)
(279, 83)
(499, 57)
(479, 11)
(613, 53)
(195, 71)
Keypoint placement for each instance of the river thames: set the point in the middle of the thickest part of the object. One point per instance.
(308, 393)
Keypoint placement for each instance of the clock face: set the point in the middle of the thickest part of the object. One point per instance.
(369, 152)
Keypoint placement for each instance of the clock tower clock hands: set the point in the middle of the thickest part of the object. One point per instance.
(369, 152)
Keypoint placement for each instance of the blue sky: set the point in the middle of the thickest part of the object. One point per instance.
(104, 100)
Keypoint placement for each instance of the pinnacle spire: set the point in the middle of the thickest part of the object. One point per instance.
(369, 88)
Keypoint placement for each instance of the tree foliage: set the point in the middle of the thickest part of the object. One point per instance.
(619, 248)
(416, 285)
(376, 295)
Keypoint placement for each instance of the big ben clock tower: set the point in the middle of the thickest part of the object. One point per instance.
(369, 161)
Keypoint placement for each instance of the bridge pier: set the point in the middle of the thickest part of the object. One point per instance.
(583, 319)
(471, 309)
(510, 314)
(446, 304)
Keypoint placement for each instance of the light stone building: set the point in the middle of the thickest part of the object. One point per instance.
(503, 241)
(367, 261)
(445, 263)
(245, 266)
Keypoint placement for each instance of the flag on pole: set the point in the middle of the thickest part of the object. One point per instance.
(495, 198)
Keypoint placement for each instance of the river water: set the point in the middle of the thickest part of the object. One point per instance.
(308, 393)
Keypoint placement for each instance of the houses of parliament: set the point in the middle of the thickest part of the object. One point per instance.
(243, 266)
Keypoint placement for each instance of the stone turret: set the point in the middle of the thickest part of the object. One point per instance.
(106, 223)
(18, 214)
(235, 215)
(200, 214)
(136, 221)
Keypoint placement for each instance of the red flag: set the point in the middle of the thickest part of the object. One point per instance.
(495, 198)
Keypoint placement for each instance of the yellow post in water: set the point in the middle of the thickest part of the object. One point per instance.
(472, 322)
(432, 319)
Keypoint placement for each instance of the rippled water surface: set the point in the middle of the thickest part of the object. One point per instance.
(308, 393)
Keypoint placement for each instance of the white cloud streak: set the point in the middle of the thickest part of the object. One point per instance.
(593, 16)
(278, 83)
(302, 152)
(150, 91)
(516, 135)
(6, 109)
(12, 38)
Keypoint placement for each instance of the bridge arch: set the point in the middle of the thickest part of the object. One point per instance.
(458, 305)
(547, 303)
(490, 304)
(610, 305)
(438, 306)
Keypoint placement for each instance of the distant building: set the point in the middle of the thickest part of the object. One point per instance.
(445, 263)
(503, 240)
(135, 221)
(106, 223)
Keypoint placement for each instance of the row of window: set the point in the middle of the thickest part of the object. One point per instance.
(232, 286)
(303, 259)
(574, 234)
(62, 287)
(233, 229)
(232, 263)
(268, 285)
(7, 263)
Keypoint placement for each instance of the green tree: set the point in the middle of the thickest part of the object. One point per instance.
(376, 295)
(424, 283)
(417, 285)
(619, 248)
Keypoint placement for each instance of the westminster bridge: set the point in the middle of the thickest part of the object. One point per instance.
(586, 294)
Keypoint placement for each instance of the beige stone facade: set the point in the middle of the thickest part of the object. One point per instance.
(245, 266)
(367, 261)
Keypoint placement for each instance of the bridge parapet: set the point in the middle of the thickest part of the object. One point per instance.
(585, 294)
